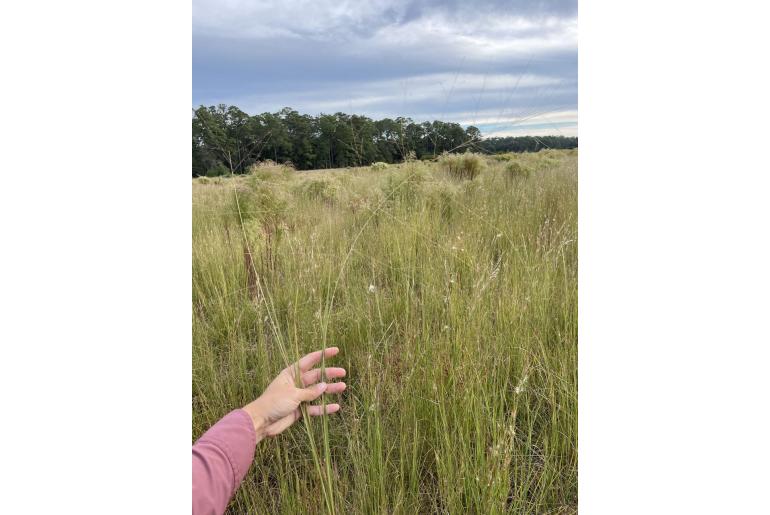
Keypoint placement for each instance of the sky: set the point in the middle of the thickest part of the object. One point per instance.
(507, 67)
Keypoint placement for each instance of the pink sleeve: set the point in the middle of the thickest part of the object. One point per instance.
(220, 460)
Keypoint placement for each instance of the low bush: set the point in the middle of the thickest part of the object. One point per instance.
(217, 170)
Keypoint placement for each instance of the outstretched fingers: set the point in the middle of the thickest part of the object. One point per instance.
(314, 375)
(311, 393)
(281, 425)
(336, 387)
(310, 360)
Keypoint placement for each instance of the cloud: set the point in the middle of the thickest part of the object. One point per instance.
(560, 123)
(340, 19)
(436, 59)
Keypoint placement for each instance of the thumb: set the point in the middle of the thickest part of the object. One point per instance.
(311, 393)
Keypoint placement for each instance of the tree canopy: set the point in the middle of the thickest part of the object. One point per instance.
(228, 140)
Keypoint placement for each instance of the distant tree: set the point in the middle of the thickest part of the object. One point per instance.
(225, 135)
(526, 143)
(301, 133)
(472, 133)
(388, 139)
(278, 145)
(228, 140)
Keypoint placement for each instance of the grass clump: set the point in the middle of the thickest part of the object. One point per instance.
(442, 198)
(269, 170)
(324, 190)
(465, 166)
(404, 187)
(260, 201)
(209, 180)
(379, 166)
(514, 171)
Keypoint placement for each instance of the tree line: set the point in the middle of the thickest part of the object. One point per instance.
(228, 140)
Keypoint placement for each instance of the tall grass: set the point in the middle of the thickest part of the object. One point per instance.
(454, 305)
(462, 166)
(515, 171)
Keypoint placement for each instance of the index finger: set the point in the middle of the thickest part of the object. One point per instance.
(309, 360)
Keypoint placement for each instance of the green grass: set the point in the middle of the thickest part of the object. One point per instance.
(454, 304)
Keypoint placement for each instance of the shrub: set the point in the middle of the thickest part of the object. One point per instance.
(514, 171)
(462, 166)
(379, 166)
(217, 170)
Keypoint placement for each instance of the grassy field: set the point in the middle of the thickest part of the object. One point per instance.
(454, 303)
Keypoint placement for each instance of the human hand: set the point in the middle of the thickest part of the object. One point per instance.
(279, 406)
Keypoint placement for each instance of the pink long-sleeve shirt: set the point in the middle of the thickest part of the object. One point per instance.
(220, 460)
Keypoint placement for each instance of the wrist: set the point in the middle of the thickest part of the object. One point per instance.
(257, 419)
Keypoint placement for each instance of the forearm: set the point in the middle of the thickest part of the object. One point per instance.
(220, 460)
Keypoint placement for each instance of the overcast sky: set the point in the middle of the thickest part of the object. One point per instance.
(508, 67)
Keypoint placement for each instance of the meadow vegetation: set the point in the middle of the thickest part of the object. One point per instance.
(450, 288)
(462, 166)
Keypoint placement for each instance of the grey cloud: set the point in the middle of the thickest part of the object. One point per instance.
(395, 59)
